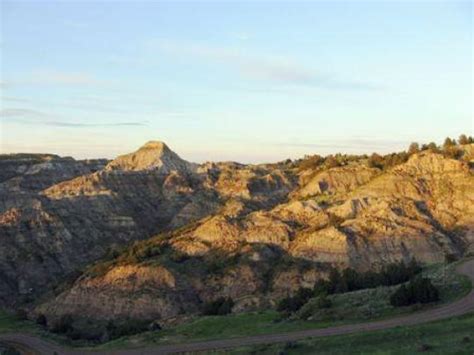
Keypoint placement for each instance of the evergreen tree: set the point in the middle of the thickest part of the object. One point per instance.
(463, 139)
(413, 148)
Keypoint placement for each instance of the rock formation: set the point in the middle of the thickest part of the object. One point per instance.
(259, 232)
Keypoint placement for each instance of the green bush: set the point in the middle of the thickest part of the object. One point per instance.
(352, 280)
(63, 325)
(219, 307)
(323, 302)
(450, 258)
(418, 290)
(41, 320)
(21, 314)
(294, 303)
(120, 328)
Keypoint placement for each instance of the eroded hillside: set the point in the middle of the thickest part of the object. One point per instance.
(57, 215)
(273, 229)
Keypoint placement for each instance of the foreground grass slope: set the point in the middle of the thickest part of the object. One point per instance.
(452, 336)
(351, 307)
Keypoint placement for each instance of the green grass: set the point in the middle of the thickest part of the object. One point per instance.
(10, 323)
(219, 327)
(451, 336)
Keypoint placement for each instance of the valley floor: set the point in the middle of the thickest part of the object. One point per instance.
(451, 336)
(402, 331)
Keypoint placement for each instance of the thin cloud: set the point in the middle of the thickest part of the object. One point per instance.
(78, 124)
(64, 78)
(55, 77)
(271, 69)
(33, 117)
(21, 112)
(350, 144)
(5, 84)
(14, 99)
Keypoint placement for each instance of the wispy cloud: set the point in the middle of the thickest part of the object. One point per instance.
(65, 78)
(13, 99)
(4, 84)
(78, 124)
(242, 36)
(54, 77)
(34, 117)
(21, 112)
(274, 68)
(359, 144)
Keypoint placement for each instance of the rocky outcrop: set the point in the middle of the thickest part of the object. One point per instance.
(154, 155)
(336, 180)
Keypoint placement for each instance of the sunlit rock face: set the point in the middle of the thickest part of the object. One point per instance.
(154, 155)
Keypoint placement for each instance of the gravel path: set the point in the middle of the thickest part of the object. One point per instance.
(31, 345)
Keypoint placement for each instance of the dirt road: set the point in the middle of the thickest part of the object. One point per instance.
(32, 345)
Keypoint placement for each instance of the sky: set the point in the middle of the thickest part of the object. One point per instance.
(256, 81)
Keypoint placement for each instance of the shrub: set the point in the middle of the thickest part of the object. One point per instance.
(322, 287)
(9, 351)
(294, 303)
(418, 290)
(63, 325)
(334, 220)
(311, 162)
(41, 320)
(376, 161)
(352, 280)
(219, 307)
(413, 148)
(450, 258)
(21, 314)
(117, 329)
(322, 302)
(448, 142)
(331, 162)
(463, 139)
(178, 256)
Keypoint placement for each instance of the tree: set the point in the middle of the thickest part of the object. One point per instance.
(418, 290)
(322, 287)
(400, 297)
(463, 139)
(63, 324)
(448, 143)
(432, 146)
(332, 162)
(376, 161)
(413, 148)
(219, 307)
(322, 301)
(292, 304)
(41, 320)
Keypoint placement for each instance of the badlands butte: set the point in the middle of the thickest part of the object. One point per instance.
(150, 236)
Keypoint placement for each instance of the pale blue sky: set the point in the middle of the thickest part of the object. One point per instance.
(247, 81)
